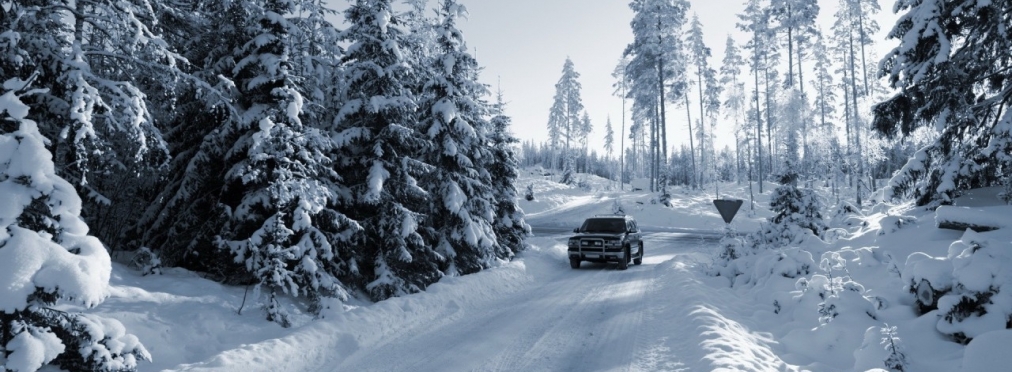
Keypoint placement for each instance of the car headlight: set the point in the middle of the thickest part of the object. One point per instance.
(612, 243)
(573, 242)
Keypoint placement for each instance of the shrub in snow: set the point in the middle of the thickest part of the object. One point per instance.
(753, 268)
(617, 208)
(665, 198)
(146, 261)
(967, 287)
(567, 173)
(529, 195)
(979, 301)
(1006, 193)
(842, 294)
(891, 224)
(46, 256)
(882, 347)
(896, 359)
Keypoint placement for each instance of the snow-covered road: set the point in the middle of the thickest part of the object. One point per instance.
(594, 318)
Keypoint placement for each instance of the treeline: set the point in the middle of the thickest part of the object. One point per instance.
(256, 143)
(794, 96)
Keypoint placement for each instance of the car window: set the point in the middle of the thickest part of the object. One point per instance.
(602, 225)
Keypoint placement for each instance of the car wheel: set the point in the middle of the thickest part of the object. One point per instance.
(623, 263)
(639, 258)
(574, 263)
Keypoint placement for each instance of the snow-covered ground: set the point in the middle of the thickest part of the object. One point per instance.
(535, 313)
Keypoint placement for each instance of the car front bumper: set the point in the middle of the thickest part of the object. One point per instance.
(617, 253)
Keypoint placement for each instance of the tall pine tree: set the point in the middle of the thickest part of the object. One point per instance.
(379, 148)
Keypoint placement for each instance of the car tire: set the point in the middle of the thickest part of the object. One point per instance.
(574, 263)
(623, 263)
(639, 258)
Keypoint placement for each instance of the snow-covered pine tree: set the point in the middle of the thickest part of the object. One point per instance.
(950, 69)
(46, 256)
(453, 117)
(795, 207)
(252, 196)
(98, 61)
(183, 217)
(281, 194)
(379, 145)
(510, 227)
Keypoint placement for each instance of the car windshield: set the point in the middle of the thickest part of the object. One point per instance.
(603, 226)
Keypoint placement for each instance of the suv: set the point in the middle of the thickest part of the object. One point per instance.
(606, 238)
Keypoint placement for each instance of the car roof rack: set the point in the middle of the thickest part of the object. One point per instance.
(611, 215)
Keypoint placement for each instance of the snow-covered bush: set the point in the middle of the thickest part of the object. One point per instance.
(979, 301)
(617, 208)
(1006, 193)
(891, 224)
(46, 255)
(846, 214)
(665, 197)
(146, 261)
(897, 360)
(842, 294)
(968, 287)
(882, 347)
(754, 268)
(567, 173)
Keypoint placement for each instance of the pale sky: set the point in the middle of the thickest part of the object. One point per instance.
(522, 45)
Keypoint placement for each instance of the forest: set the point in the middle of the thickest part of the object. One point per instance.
(926, 121)
(250, 141)
(256, 143)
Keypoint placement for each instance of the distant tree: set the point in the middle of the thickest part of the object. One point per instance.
(656, 61)
(795, 18)
(825, 97)
(950, 67)
(621, 86)
(564, 124)
(735, 102)
(609, 138)
(699, 54)
(585, 128)
(755, 20)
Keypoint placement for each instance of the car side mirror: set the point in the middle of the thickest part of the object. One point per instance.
(576, 230)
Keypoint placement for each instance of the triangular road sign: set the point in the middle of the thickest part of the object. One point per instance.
(727, 208)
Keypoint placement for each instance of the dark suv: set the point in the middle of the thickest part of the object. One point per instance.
(606, 238)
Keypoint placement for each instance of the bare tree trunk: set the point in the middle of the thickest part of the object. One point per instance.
(692, 148)
(663, 153)
(702, 125)
(621, 155)
(857, 121)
